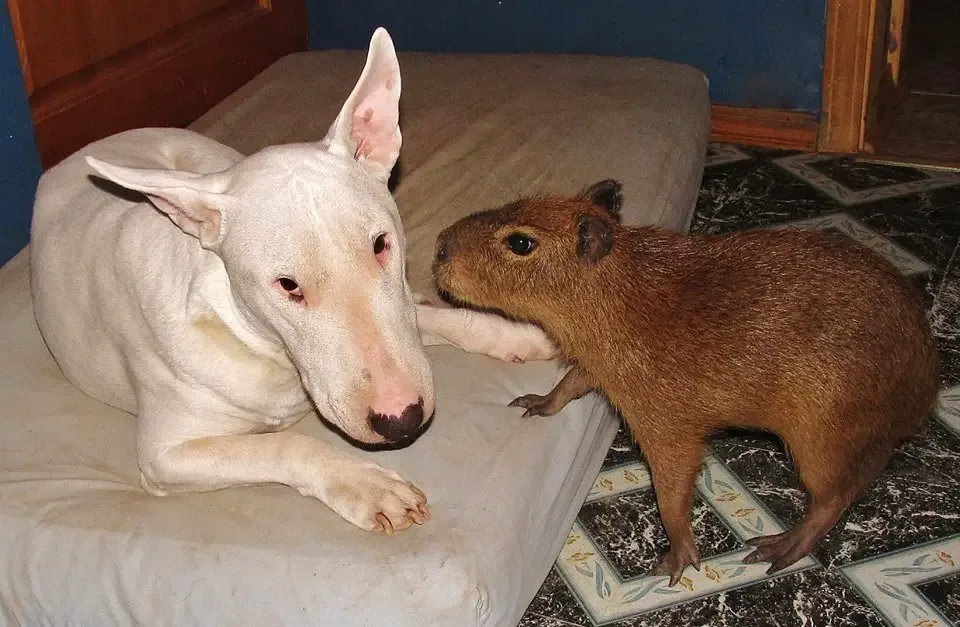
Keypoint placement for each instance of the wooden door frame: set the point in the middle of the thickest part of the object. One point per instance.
(852, 71)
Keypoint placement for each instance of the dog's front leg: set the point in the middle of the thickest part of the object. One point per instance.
(481, 332)
(362, 492)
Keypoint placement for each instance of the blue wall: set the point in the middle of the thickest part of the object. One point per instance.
(19, 159)
(757, 53)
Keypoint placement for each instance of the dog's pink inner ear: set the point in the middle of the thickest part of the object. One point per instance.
(374, 125)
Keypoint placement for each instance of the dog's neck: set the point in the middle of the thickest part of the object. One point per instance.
(210, 298)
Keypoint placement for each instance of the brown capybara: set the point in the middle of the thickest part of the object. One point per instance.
(805, 334)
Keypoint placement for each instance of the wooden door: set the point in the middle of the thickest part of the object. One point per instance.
(886, 90)
(97, 67)
(863, 78)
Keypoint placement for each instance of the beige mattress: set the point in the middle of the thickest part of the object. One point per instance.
(80, 543)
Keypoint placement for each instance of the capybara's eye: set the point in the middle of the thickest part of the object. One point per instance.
(290, 286)
(381, 246)
(521, 244)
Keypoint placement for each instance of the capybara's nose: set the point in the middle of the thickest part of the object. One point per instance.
(443, 247)
(398, 428)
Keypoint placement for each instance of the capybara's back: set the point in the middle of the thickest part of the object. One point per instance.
(789, 322)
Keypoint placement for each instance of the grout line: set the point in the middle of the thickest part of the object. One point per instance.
(943, 280)
(555, 619)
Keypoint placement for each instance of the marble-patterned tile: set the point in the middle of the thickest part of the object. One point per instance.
(810, 169)
(925, 223)
(860, 176)
(753, 194)
(623, 450)
(948, 409)
(809, 598)
(530, 619)
(944, 594)
(606, 568)
(934, 452)
(763, 465)
(914, 498)
(892, 582)
(945, 319)
(556, 601)
(628, 530)
(722, 154)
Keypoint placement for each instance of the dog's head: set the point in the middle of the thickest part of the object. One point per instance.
(311, 241)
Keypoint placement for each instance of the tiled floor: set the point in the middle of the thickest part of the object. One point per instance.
(895, 559)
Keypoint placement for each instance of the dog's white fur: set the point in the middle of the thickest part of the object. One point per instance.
(180, 317)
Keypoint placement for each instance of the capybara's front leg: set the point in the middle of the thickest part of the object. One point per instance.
(574, 384)
(674, 465)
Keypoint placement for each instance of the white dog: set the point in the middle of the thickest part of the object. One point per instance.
(264, 288)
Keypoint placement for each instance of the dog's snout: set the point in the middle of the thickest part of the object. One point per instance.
(398, 428)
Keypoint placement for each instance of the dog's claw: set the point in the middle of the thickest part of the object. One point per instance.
(383, 524)
(418, 492)
(381, 500)
(424, 512)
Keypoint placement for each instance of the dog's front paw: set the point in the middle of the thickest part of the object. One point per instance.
(376, 499)
(525, 342)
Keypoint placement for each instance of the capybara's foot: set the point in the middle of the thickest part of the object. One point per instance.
(573, 385)
(781, 550)
(676, 561)
(537, 405)
(784, 549)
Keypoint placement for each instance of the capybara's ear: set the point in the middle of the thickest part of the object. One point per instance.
(606, 195)
(594, 238)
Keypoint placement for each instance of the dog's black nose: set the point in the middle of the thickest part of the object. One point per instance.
(398, 428)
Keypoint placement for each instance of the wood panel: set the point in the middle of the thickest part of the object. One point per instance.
(848, 48)
(773, 128)
(90, 31)
(185, 57)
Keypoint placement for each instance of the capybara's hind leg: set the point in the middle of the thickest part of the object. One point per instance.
(784, 549)
(834, 478)
(674, 466)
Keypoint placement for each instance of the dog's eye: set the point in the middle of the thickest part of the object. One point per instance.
(521, 244)
(290, 286)
(381, 248)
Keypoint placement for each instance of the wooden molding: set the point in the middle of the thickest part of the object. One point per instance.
(772, 128)
(846, 74)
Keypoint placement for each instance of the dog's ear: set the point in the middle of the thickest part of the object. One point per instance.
(368, 126)
(594, 238)
(606, 195)
(193, 201)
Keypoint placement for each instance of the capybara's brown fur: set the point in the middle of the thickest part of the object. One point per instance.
(805, 334)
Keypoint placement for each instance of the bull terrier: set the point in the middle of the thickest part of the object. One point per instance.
(223, 298)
